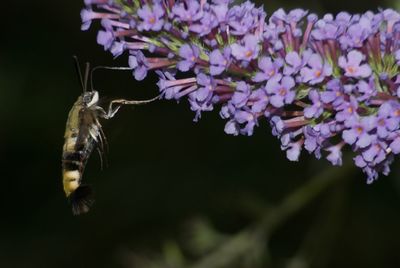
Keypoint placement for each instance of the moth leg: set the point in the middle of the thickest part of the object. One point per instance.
(102, 140)
(101, 153)
(101, 113)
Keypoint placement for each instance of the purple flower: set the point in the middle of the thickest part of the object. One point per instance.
(356, 34)
(397, 56)
(294, 15)
(227, 111)
(375, 154)
(187, 11)
(220, 12)
(385, 122)
(87, 15)
(335, 154)
(248, 51)
(294, 62)
(395, 143)
(352, 66)
(269, 68)
(219, 61)
(241, 95)
(277, 125)
(321, 84)
(260, 100)
(152, 17)
(325, 30)
(248, 119)
(316, 109)
(391, 17)
(365, 90)
(105, 38)
(231, 128)
(313, 139)
(139, 64)
(189, 55)
(318, 71)
(358, 133)
(199, 106)
(293, 150)
(207, 86)
(167, 85)
(117, 48)
(244, 18)
(206, 24)
(281, 92)
(334, 93)
(347, 111)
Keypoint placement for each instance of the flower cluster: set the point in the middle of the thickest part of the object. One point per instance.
(322, 84)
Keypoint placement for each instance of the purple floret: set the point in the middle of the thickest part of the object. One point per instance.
(188, 11)
(352, 65)
(248, 50)
(139, 64)
(241, 95)
(189, 55)
(152, 17)
(205, 25)
(386, 123)
(281, 93)
(316, 109)
(358, 132)
(269, 70)
(219, 61)
(316, 70)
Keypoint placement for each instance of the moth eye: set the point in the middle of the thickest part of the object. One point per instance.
(87, 98)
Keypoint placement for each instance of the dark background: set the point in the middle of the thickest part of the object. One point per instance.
(165, 174)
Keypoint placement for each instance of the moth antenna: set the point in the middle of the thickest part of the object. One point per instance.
(87, 71)
(79, 73)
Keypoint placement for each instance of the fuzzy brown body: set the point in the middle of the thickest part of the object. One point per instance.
(82, 133)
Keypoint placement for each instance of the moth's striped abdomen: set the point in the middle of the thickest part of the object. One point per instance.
(80, 139)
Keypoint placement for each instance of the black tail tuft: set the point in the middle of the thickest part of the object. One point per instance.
(81, 199)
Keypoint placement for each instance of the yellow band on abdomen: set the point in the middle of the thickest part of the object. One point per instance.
(71, 181)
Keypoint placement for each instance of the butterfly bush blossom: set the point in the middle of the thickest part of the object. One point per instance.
(322, 84)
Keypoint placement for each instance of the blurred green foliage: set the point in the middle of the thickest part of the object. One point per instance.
(174, 193)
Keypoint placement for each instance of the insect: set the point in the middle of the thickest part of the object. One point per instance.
(83, 134)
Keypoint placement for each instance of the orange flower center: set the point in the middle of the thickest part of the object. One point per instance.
(152, 20)
(249, 53)
(351, 69)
